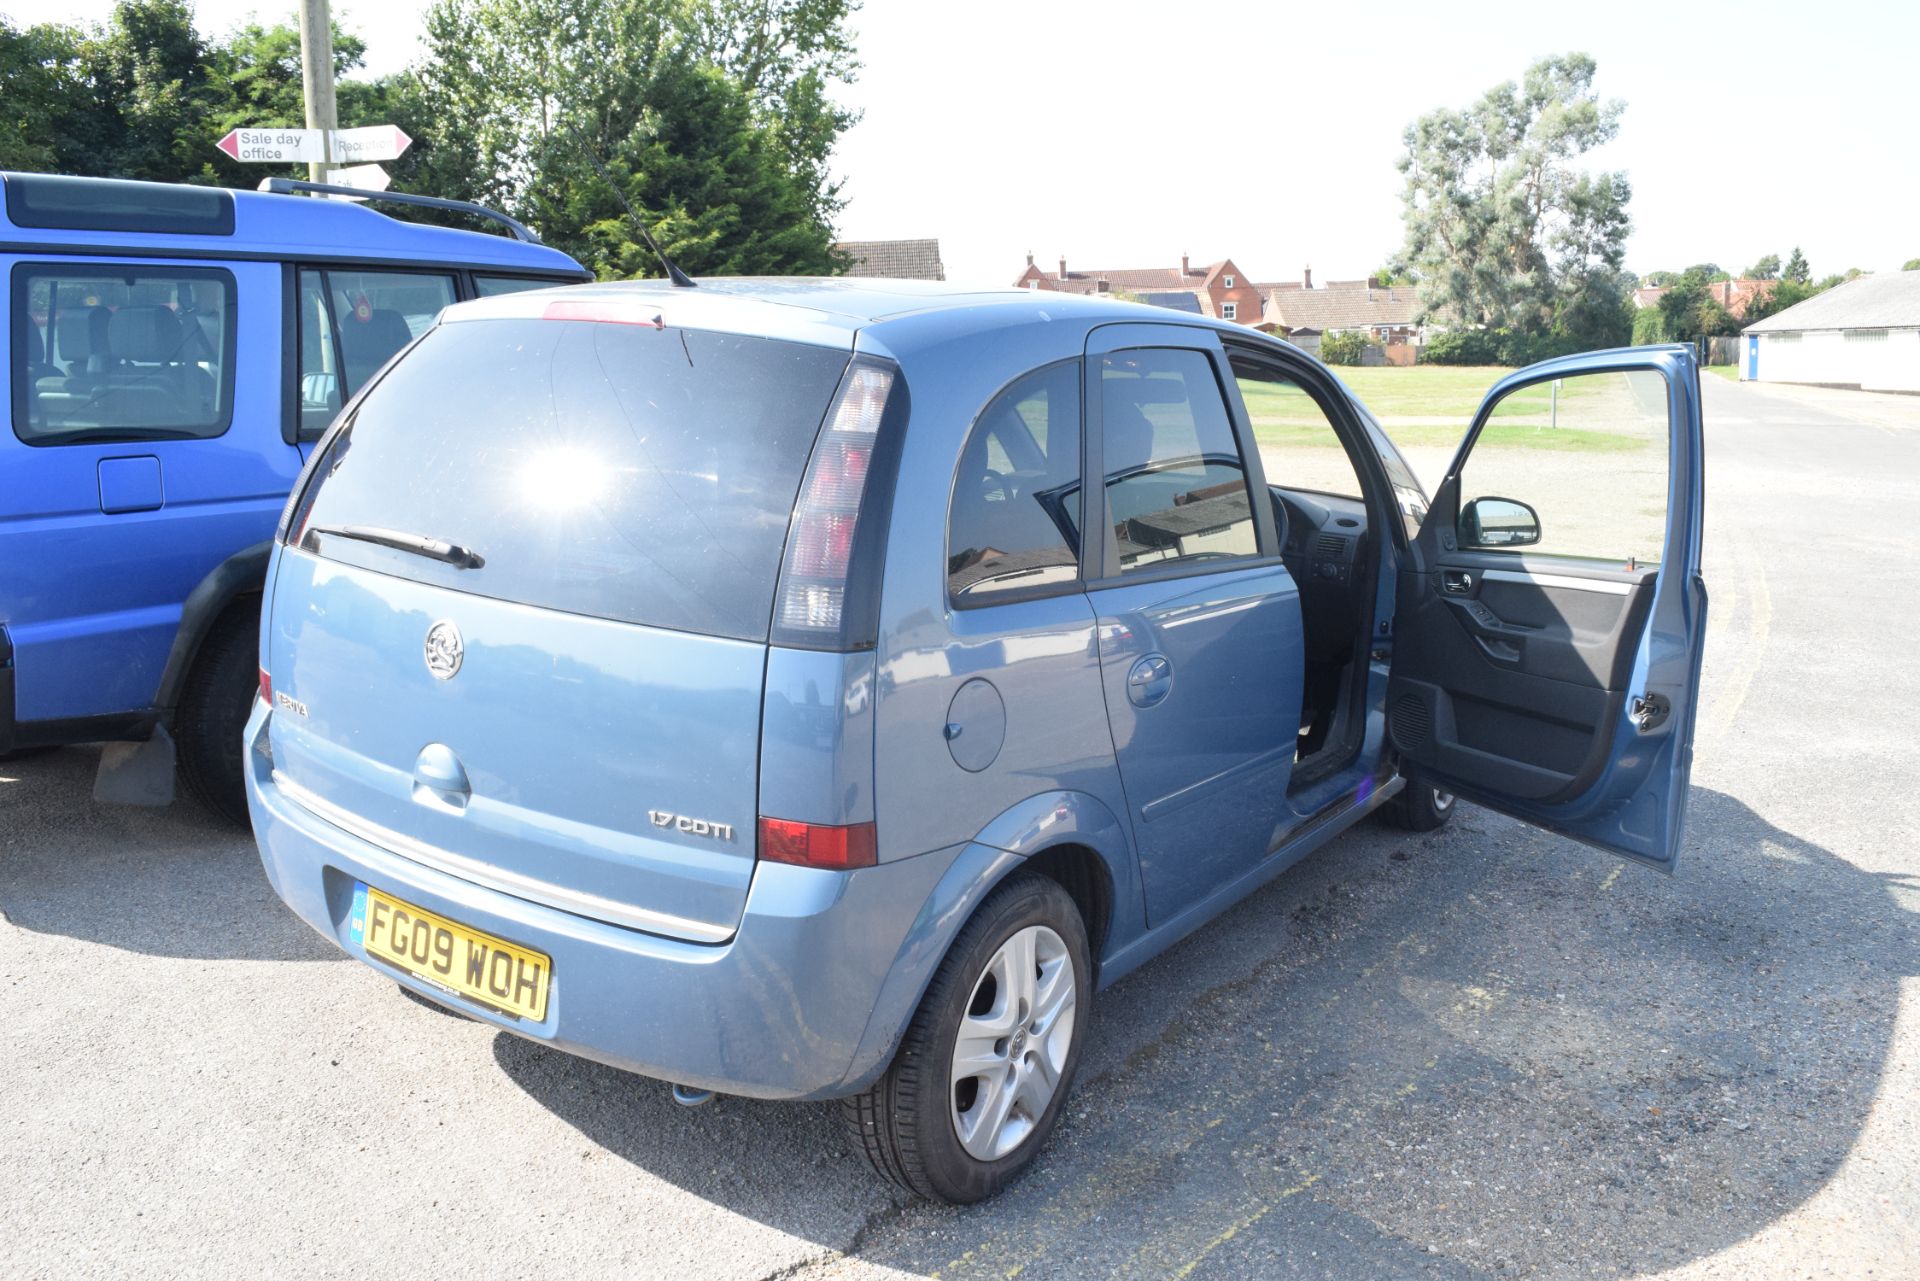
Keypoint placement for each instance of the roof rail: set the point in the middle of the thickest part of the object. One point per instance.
(292, 186)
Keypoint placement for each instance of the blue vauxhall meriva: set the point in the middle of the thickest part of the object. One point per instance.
(743, 684)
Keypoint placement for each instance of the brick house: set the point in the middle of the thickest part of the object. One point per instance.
(1219, 289)
(1386, 314)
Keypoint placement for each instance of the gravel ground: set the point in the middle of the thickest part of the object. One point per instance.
(1481, 1053)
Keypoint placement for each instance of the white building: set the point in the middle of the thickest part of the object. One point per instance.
(1864, 334)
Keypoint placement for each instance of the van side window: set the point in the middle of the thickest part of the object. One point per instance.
(1176, 484)
(352, 323)
(1013, 527)
(494, 286)
(121, 353)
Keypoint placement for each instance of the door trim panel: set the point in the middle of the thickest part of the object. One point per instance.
(1567, 581)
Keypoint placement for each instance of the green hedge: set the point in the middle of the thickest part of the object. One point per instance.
(1494, 347)
(1344, 348)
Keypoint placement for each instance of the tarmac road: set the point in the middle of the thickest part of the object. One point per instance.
(1482, 1053)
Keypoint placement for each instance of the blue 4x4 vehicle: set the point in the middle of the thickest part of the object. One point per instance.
(743, 685)
(172, 353)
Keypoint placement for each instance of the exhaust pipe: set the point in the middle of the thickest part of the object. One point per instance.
(688, 1097)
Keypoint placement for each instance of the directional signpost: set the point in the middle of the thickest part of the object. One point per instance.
(359, 177)
(310, 146)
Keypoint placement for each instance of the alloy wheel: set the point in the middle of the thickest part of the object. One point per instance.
(1013, 1042)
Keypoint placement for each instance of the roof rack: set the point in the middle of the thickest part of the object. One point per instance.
(292, 186)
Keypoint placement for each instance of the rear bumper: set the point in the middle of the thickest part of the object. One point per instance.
(798, 1004)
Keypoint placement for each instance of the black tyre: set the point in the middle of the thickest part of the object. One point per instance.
(1421, 807)
(988, 1061)
(221, 687)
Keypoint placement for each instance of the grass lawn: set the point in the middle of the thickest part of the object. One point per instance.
(1433, 405)
(1729, 372)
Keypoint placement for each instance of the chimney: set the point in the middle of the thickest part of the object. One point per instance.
(1183, 265)
(1306, 277)
(1103, 286)
(1029, 257)
(1063, 266)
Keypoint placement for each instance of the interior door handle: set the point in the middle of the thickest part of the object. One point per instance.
(1456, 582)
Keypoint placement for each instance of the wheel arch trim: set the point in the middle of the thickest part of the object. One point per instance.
(244, 571)
(1040, 824)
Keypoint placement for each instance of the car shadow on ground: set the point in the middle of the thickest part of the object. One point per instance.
(1482, 1052)
(163, 882)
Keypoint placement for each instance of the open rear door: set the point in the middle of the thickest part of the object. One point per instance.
(1546, 657)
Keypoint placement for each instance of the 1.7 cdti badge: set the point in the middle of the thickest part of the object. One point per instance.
(444, 650)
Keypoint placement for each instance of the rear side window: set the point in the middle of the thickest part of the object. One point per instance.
(621, 471)
(1013, 527)
(1176, 484)
(121, 353)
(352, 323)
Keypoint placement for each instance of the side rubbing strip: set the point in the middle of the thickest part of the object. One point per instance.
(1605, 585)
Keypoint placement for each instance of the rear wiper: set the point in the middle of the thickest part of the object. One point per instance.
(433, 548)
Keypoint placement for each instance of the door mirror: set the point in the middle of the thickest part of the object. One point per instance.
(1498, 522)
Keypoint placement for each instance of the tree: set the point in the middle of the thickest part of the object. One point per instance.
(1796, 268)
(708, 119)
(1911, 264)
(1768, 268)
(1689, 312)
(1501, 229)
(144, 96)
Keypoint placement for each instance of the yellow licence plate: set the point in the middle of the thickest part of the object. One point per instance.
(452, 956)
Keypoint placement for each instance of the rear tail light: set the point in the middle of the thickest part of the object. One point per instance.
(813, 579)
(266, 688)
(817, 844)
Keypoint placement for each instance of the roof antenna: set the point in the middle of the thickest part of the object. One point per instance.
(679, 278)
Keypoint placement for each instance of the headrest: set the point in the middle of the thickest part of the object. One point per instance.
(145, 334)
(79, 334)
(384, 330)
(1126, 432)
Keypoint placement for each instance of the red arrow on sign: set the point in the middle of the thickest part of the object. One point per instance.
(400, 141)
(230, 144)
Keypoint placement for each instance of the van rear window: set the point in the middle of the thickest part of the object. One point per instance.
(620, 471)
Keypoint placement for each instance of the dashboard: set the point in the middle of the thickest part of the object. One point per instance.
(1324, 544)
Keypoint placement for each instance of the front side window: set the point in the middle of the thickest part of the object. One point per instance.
(351, 323)
(1014, 523)
(1529, 485)
(121, 353)
(1176, 483)
(1298, 445)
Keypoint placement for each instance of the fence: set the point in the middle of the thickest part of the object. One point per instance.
(1724, 350)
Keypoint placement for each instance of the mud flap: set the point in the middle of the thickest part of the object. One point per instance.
(137, 773)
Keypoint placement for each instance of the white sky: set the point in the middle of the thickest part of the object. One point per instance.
(1125, 133)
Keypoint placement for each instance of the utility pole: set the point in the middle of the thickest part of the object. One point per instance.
(316, 76)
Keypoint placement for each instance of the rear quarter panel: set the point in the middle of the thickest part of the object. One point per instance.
(1040, 656)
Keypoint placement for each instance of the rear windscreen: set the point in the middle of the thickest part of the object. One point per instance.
(621, 471)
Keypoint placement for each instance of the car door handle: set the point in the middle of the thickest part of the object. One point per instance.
(1456, 582)
(1149, 680)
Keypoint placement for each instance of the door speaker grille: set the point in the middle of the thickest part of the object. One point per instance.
(1412, 723)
